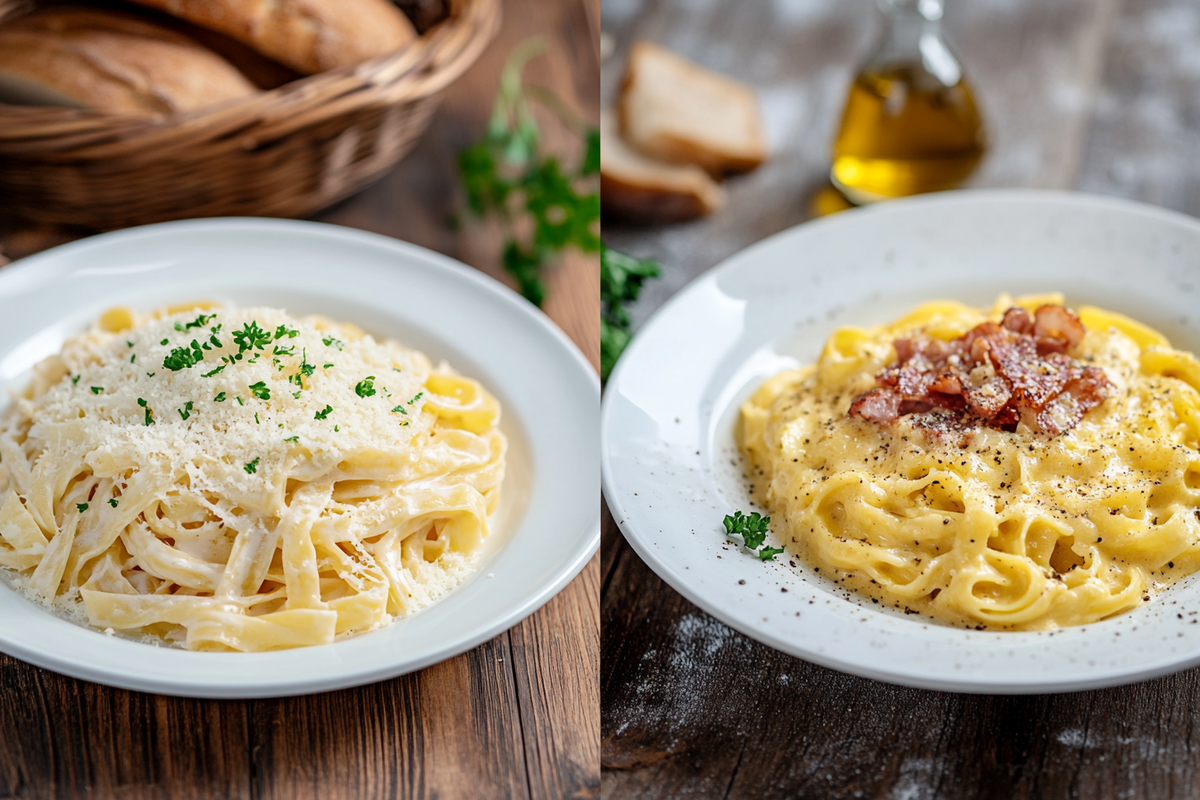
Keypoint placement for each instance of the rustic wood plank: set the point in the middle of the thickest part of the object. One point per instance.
(61, 737)
(441, 732)
(564, 759)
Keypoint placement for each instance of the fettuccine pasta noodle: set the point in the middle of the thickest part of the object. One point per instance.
(243, 480)
(1010, 529)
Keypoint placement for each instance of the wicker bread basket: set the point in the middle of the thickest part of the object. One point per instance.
(287, 152)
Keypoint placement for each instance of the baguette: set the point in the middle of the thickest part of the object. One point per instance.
(641, 189)
(308, 35)
(676, 110)
(90, 58)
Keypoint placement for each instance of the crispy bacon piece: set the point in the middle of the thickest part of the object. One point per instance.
(996, 374)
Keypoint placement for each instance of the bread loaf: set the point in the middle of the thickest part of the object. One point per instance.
(109, 60)
(307, 35)
(643, 190)
(676, 110)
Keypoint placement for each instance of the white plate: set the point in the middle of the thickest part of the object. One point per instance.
(670, 463)
(548, 525)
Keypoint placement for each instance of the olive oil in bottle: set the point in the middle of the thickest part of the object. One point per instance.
(910, 124)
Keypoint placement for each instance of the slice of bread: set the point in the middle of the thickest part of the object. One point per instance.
(307, 35)
(644, 190)
(676, 110)
(112, 61)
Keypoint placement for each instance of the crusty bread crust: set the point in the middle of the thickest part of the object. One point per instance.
(642, 190)
(676, 110)
(307, 35)
(111, 61)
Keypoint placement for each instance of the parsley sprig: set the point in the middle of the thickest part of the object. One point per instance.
(542, 207)
(621, 279)
(365, 387)
(753, 529)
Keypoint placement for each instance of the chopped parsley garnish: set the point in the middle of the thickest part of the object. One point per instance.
(250, 337)
(327, 366)
(149, 416)
(210, 373)
(75, 380)
(753, 530)
(260, 390)
(112, 501)
(128, 343)
(256, 422)
(198, 322)
(81, 507)
(220, 398)
(284, 330)
(336, 429)
(151, 374)
(133, 358)
(306, 368)
(400, 408)
(769, 553)
(280, 350)
(296, 395)
(164, 341)
(292, 439)
(324, 412)
(415, 399)
(252, 467)
(182, 357)
(240, 403)
(332, 342)
(186, 411)
(97, 389)
(365, 387)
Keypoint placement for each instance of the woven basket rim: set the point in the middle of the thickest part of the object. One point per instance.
(422, 69)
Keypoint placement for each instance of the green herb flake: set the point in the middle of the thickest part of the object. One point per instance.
(324, 412)
(220, 398)
(210, 373)
(292, 439)
(260, 390)
(133, 358)
(198, 322)
(81, 507)
(752, 528)
(256, 422)
(327, 366)
(280, 350)
(336, 429)
(365, 387)
(400, 408)
(252, 467)
(186, 411)
(418, 396)
(296, 395)
(75, 380)
(165, 341)
(769, 553)
(332, 342)
(97, 389)
(284, 330)
(250, 337)
(240, 403)
(182, 357)
(128, 343)
(149, 419)
(112, 501)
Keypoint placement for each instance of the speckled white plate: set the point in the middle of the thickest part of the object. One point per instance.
(671, 469)
(548, 523)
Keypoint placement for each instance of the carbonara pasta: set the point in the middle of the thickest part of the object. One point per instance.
(1062, 491)
(243, 480)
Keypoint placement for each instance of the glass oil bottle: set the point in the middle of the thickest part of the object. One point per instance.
(910, 124)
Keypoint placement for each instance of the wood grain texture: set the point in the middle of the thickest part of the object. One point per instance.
(517, 717)
(1102, 96)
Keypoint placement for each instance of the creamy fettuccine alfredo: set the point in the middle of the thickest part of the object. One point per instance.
(1022, 468)
(243, 480)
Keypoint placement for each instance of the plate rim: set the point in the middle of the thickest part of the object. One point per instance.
(673, 578)
(293, 685)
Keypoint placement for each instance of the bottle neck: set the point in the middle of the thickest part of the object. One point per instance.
(912, 29)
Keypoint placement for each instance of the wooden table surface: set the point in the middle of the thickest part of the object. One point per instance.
(1095, 95)
(516, 717)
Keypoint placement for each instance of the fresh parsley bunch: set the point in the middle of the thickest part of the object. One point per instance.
(542, 207)
(753, 530)
(621, 279)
